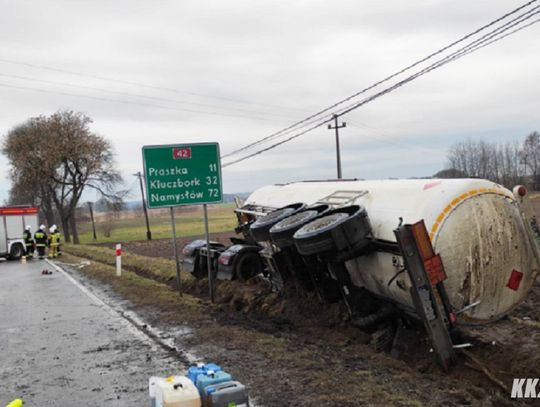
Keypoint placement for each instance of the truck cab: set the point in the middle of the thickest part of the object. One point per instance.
(13, 220)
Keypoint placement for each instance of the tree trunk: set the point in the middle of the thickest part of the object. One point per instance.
(48, 212)
(65, 227)
(73, 226)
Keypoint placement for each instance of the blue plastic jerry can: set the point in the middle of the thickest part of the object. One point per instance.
(201, 368)
(211, 377)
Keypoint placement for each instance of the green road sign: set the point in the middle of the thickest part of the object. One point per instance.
(182, 174)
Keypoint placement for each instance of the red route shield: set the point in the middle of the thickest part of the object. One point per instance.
(181, 153)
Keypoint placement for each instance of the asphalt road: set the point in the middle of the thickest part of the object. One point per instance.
(60, 345)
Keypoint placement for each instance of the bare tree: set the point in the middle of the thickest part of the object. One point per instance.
(57, 158)
(501, 163)
(531, 157)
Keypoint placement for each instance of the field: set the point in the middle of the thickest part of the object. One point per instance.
(130, 226)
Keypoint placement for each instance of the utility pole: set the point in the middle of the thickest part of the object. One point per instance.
(338, 155)
(148, 232)
(92, 217)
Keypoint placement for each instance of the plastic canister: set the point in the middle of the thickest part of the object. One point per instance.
(176, 391)
(152, 382)
(227, 394)
(201, 368)
(211, 377)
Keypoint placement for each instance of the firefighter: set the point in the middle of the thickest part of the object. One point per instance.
(53, 242)
(40, 238)
(57, 233)
(28, 241)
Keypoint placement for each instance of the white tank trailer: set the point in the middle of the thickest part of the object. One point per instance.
(477, 227)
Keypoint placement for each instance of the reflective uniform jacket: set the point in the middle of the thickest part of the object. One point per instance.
(54, 239)
(41, 238)
(27, 235)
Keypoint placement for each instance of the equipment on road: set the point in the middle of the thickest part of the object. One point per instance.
(14, 224)
(201, 368)
(211, 378)
(173, 391)
(16, 403)
(226, 395)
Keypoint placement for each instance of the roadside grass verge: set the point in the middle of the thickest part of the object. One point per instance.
(156, 268)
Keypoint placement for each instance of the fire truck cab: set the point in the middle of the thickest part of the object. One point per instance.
(13, 221)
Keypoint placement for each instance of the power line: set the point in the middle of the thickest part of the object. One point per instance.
(26, 78)
(130, 94)
(128, 102)
(386, 79)
(478, 44)
(474, 46)
(133, 83)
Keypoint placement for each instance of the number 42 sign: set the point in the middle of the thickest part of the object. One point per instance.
(182, 174)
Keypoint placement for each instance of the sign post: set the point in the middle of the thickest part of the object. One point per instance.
(183, 174)
(176, 259)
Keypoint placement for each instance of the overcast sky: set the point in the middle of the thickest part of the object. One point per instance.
(236, 71)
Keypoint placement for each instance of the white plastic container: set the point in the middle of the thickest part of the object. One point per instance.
(152, 383)
(175, 391)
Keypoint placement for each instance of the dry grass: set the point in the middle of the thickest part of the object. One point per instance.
(157, 268)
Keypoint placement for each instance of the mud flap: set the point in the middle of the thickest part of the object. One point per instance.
(416, 250)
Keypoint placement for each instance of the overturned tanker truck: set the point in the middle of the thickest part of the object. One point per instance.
(338, 238)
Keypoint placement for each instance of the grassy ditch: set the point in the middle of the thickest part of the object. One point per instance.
(158, 269)
(282, 348)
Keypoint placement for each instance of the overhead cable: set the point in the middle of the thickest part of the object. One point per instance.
(488, 38)
(293, 126)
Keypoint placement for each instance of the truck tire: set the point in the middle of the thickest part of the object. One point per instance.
(282, 232)
(342, 232)
(316, 237)
(16, 252)
(260, 229)
(247, 265)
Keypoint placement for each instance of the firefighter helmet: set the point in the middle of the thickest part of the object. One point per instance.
(28, 227)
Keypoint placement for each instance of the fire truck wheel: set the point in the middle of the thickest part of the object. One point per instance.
(16, 252)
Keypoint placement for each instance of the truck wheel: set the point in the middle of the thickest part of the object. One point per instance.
(316, 236)
(260, 229)
(247, 266)
(16, 252)
(342, 230)
(282, 232)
